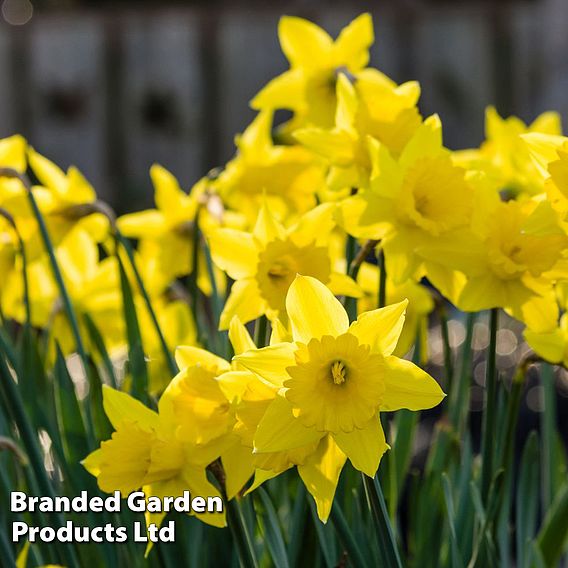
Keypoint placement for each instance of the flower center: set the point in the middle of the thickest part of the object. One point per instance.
(279, 270)
(338, 372)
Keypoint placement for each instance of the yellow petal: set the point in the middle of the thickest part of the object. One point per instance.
(304, 43)
(13, 152)
(239, 468)
(168, 195)
(380, 328)
(260, 476)
(269, 363)
(336, 146)
(235, 252)
(199, 485)
(284, 91)
(408, 386)
(188, 355)
(233, 384)
(427, 141)
(240, 337)
(267, 228)
(342, 285)
(314, 310)
(352, 46)
(365, 447)
(314, 226)
(548, 345)
(149, 223)
(279, 333)
(320, 474)
(120, 407)
(48, 174)
(244, 302)
(279, 430)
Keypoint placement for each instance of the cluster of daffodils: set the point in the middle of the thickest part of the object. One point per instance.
(285, 238)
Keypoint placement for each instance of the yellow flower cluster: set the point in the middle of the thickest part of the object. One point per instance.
(276, 231)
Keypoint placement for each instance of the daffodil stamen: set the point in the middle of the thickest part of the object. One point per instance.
(338, 372)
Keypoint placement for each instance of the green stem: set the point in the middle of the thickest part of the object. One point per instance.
(193, 277)
(448, 363)
(346, 537)
(458, 403)
(260, 329)
(388, 550)
(241, 535)
(513, 406)
(488, 430)
(382, 293)
(172, 366)
(548, 428)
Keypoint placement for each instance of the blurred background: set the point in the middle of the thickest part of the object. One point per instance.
(115, 86)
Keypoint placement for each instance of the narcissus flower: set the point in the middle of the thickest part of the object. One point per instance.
(145, 453)
(511, 259)
(504, 157)
(551, 345)
(418, 198)
(373, 106)
(308, 87)
(265, 262)
(333, 380)
(167, 232)
(285, 176)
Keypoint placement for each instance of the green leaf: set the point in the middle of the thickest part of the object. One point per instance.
(457, 561)
(354, 552)
(553, 535)
(270, 527)
(136, 359)
(527, 499)
(325, 537)
(99, 344)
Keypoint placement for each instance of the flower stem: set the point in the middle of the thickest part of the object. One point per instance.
(382, 293)
(448, 363)
(488, 430)
(241, 535)
(172, 366)
(388, 550)
(260, 330)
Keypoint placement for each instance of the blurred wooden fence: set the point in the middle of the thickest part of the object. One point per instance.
(114, 91)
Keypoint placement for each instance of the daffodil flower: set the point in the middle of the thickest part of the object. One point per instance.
(145, 453)
(265, 262)
(420, 197)
(511, 259)
(286, 176)
(166, 233)
(504, 156)
(308, 87)
(372, 106)
(333, 380)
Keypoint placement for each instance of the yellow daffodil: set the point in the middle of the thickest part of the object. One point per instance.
(166, 233)
(333, 380)
(308, 87)
(418, 198)
(286, 176)
(265, 262)
(511, 259)
(550, 155)
(66, 200)
(504, 156)
(144, 453)
(372, 106)
(92, 284)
